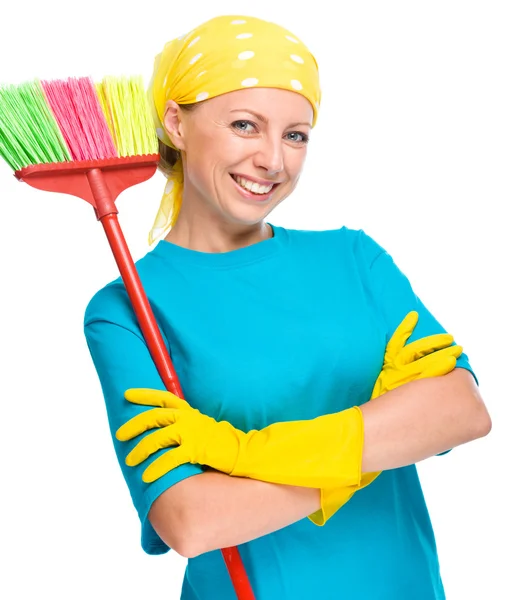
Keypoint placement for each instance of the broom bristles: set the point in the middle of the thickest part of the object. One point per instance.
(75, 119)
(104, 101)
(28, 131)
(79, 115)
(134, 130)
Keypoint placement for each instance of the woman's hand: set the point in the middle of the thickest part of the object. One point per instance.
(201, 439)
(430, 356)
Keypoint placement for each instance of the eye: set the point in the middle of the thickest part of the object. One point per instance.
(298, 137)
(243, 126)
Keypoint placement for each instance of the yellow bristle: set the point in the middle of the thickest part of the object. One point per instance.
(134, 130)
(107, 112)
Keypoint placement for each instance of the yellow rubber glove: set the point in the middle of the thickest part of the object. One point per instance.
(324, 452)
(430, 356)
(321, 452)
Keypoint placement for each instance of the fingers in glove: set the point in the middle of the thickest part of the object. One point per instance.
(162, 438)
(439, 363)
(149, 419)
(401, 335)
(150, 397)
(424, 346)
(165, 463)
(437, 369)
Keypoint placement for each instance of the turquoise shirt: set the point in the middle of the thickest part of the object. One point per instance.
(289, 328)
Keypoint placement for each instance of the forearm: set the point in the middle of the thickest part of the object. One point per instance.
(421, 419)
(214, 510)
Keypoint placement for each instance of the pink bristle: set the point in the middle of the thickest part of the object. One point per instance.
(80, 117)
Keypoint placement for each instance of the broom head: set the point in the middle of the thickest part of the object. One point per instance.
(55, 133)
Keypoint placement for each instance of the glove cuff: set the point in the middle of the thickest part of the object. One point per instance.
(325, 452)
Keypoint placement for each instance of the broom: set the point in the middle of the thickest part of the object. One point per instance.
(94, 141)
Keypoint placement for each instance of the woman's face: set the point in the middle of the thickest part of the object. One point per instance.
(243, 151)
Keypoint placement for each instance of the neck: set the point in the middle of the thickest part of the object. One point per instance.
(206, 235)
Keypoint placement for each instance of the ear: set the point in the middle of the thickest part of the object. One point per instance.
(173, 124)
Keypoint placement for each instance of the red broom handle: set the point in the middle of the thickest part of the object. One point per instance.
(106, 212)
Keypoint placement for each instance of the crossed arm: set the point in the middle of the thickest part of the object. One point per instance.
(404, 426)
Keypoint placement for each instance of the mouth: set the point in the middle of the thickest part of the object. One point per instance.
(252, 190)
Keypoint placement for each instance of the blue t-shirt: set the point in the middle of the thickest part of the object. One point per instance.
(289, 328)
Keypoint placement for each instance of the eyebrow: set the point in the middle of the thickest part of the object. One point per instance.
(264, 119)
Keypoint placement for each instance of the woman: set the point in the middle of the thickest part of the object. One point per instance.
(282, 333)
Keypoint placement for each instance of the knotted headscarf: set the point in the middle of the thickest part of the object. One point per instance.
(224, 54)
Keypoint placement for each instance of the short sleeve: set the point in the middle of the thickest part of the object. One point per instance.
(394, 296)
(122, 361)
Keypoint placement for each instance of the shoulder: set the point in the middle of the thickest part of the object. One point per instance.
(343, 241)
(111, 302)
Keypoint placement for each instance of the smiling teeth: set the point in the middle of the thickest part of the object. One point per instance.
(252, 186)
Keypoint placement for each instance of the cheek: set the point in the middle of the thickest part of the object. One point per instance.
(201, 157)
(222, 151)
(295, 163)
(233, 149)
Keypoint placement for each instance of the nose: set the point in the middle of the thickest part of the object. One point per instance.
(270, 155)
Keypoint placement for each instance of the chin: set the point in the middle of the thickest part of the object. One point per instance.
(247, 220)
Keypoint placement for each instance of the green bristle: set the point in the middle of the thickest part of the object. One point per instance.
(134, 130)
(29, 133)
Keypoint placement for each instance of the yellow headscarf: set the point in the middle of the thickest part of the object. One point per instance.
(224, 54)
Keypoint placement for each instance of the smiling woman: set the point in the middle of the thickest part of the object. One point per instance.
(256, 62)
(314, 377)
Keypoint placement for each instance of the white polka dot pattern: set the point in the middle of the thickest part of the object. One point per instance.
(250, 82)
(246, 55)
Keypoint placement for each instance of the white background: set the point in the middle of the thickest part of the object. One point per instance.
(413, 144)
